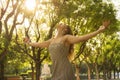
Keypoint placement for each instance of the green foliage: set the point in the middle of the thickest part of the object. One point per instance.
(16, 61)
(83, 16)
(86, 16)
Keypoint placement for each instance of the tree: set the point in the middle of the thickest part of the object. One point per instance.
(36, 26)
(82, 16)
(6, 35)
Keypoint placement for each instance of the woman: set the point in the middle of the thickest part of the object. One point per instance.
(61, 47)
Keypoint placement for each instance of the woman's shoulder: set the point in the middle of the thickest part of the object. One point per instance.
(67, 36)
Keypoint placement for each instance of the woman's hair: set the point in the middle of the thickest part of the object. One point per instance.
(71, 48)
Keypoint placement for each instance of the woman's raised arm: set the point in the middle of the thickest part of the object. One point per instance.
(73, 39)
(43, 44)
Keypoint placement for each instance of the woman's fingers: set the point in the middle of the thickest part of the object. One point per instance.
(106, 23)
(26, 39)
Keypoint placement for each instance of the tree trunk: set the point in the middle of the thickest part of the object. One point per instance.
(38, 70)
(104, 74)
(109, 75)
(117, 74)
(97, 72)
(2, 70)
(32, 68)
(89, 77)
(0, 27)
(114, 73)
(77, 72)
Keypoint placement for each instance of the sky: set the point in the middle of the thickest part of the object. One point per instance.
(117, 7)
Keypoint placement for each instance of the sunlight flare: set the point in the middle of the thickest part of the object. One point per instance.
(30, 4)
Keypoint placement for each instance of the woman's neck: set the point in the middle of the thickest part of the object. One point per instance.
(59, 35)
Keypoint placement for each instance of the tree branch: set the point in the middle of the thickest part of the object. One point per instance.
(4, 52)
(82, 47)
(8, 17)
(19, 23)
(3, 11)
